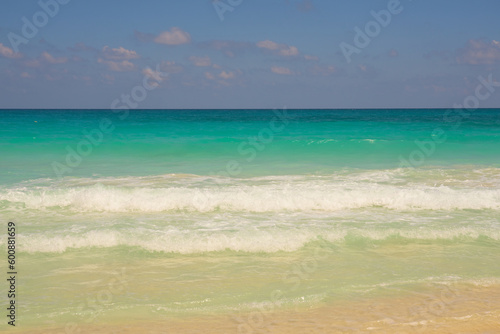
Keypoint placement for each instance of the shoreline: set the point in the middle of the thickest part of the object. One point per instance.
(444, 309)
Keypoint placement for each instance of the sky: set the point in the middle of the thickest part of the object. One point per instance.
(247, 54)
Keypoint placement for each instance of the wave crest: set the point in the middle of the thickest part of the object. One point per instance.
(306, 196)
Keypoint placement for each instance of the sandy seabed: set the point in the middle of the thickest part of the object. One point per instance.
(446, 309)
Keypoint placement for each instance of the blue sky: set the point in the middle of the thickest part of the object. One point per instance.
(262, 54)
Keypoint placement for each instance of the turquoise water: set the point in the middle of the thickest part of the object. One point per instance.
(212, 210)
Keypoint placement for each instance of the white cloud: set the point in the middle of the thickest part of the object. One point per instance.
(117, 66)
(118, 53)
(281, 49)
(281, 70)
(267, 44)
(290, 51)
(200, 61)
(175, 36)
(226, 75)
(323, 70)
(310, 57)
(478, 52)
(209, 76)
(155, 75)
(44, 58)
(51, 60)
(8, 52)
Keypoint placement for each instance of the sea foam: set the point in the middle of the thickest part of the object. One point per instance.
(311, 196)
(190, 241)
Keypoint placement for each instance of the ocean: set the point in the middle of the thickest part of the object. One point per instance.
(252, 221)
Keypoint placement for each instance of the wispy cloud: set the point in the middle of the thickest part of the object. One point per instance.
(209, 76)
(117, 66)
(51, 59)
(119, 53)
(226, 75)
(118, 59)
(223, 78)
(232, 48)
(200, 61)
(323, 70)
(8, 52)
(311, 57)
(228, 48)
(44, 58)
(174, 36)
(281, 70)
(155, 75)
(281, 49)
(479, 52)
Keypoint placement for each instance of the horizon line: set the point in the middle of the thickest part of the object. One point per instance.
(131, 109)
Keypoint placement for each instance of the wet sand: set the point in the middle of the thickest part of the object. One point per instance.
(442, 309)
